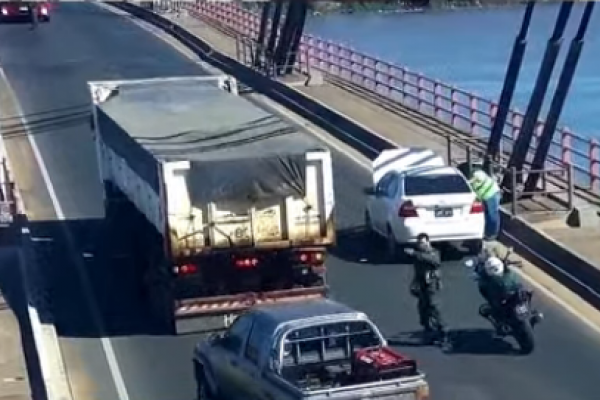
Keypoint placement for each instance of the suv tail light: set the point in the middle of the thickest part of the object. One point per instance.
(407, 210)
(4, 11)
(477, 208)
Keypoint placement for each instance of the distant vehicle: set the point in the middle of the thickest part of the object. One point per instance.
(19, 11)
(318, 349)
(219, 203)
(415, 193)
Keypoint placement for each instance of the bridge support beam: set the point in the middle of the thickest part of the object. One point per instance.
(300, 20)
(558, 101)
(523, 142)
(274, 32)
(262, 33)
(508, 90)
(294, 21)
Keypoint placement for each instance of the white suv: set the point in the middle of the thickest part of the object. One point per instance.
(436, 201)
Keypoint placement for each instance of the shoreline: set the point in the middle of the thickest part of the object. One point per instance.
(337, 8)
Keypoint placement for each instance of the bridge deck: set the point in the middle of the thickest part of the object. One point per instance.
(407, 127)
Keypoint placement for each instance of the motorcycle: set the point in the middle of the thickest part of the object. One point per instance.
(513, 316)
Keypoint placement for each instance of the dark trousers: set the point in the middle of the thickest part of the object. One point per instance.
(430, 317)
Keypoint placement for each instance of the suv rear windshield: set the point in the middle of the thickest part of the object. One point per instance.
(435, 184)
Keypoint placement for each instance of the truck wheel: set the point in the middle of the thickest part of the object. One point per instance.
(203, 391)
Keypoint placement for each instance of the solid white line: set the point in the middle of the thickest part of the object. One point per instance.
(107, 346)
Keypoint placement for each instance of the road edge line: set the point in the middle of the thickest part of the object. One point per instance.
(45, 336)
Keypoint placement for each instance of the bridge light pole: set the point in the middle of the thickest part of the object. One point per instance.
(521, 145)
(508, 89)
(560, 96)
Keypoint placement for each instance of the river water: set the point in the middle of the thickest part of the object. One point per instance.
(471, 49)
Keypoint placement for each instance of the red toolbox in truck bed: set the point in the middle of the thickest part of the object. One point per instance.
(372, 364)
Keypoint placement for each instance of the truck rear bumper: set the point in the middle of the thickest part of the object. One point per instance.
(221, 305)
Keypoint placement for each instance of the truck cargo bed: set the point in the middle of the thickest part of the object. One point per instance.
(222, 171)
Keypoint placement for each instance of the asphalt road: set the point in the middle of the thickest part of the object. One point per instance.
(48, 69)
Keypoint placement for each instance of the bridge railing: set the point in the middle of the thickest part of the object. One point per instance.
(459, 108)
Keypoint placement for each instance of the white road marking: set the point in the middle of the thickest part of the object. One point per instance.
(107, 346)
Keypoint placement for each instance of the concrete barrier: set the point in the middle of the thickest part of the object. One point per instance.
(568, 268)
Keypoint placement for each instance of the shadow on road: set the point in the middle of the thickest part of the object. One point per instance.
(464, 341)
(13, 294)
(48, 121)
(356, 245)
(83, 271)
(480, 342)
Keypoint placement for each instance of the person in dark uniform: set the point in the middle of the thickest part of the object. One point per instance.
(425, 286)
(33, 13)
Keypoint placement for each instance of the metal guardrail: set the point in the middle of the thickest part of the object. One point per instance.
(462, 110)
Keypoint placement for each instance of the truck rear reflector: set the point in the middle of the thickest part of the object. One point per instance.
(219, 305)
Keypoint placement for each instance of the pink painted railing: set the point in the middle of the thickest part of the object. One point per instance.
(459, 108)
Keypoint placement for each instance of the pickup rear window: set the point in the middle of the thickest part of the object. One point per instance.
(435, 184)
(329, 342)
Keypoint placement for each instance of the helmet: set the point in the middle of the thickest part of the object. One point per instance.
(494, 266)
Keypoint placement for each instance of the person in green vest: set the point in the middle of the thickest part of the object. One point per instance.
(488, 192)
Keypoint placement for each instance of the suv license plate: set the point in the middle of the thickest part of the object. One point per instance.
(443, 212)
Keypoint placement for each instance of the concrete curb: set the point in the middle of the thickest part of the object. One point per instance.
(567, 267)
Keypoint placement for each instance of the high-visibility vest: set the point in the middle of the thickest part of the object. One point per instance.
(484, 186)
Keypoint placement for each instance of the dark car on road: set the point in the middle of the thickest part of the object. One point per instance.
(16, 11)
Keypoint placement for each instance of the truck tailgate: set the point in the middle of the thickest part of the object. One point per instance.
(398, 389)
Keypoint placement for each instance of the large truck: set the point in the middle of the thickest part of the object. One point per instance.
(219, 203)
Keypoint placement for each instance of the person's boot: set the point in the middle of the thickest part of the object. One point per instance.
(428, 336)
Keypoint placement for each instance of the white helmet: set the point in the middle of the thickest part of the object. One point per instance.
(494, 266)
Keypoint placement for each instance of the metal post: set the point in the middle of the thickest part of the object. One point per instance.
(510, 82)
(571, 185)
(300, 21)
(560, 96)
(274, 32)
(449, 149)
(469, 162)
(536, 102)
(262, 33)
(283, 44)
(513, 178)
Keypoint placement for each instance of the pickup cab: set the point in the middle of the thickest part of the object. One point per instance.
(301, 350)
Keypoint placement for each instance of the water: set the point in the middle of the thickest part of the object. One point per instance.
(471, 48)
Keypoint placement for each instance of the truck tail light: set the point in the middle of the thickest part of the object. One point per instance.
(185, 269)
(4, 11)
(477, 208)
(407, 210)
(246, 263)
(44, 11)
(311, 257)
